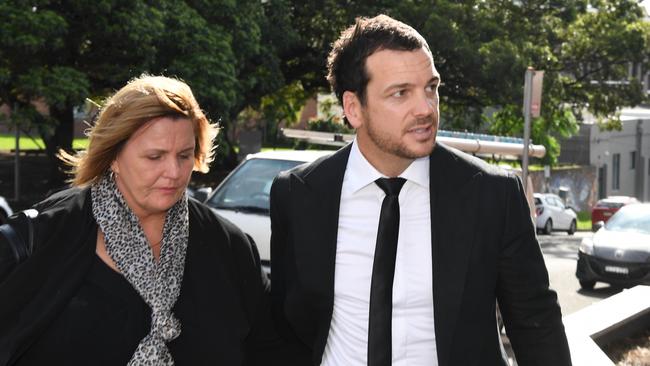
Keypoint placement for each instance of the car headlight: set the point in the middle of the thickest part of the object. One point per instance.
(587, 246)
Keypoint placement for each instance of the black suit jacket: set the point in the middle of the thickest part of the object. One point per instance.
(484, 249)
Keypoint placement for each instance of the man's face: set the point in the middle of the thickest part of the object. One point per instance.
(399, 120)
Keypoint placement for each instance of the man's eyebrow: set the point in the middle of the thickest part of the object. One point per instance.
(433, 80)
(398, 86)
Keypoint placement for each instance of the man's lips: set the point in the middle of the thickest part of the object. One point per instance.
(421, 131)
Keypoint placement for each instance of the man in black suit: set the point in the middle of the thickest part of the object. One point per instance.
(396, 249)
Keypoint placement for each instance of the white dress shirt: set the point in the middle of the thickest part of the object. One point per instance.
(413, 334)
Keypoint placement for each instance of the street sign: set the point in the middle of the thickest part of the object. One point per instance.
(536, 102)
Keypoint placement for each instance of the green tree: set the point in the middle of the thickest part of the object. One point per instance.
(301, 34)
(60, 52)
(482, 49)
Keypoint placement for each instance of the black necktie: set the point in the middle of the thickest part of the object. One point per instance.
(383, 271)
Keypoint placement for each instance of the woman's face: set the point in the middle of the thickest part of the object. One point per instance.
(155, 165)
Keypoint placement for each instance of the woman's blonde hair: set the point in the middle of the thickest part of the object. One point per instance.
(141, 100)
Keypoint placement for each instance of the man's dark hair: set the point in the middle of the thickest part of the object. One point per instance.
(346, 63)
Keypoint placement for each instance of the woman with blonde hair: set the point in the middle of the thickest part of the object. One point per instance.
(126, 268)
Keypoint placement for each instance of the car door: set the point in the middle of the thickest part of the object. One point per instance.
(555, 212)
(564, 219)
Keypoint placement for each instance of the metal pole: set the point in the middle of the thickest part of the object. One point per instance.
(16, 155)
(639, 172)
(528, 91)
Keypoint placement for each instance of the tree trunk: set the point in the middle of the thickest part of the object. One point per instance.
(61, 139)
(230, 161)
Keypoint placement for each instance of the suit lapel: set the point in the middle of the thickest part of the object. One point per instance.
(453, 217)
(316, 195)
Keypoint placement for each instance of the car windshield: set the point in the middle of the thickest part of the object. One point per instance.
(631, 220)
(249, 186)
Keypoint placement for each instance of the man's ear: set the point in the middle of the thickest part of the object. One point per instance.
(352, 109)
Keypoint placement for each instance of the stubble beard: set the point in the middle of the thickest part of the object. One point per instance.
(393, 145)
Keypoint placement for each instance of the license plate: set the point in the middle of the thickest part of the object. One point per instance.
(619, 270)
(607, 213)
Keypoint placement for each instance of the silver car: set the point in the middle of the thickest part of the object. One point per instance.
(619, 252)
(243, 197)
(553, 215)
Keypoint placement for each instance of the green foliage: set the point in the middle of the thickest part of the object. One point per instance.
(283, 106)
(330, 124)
(270, 56)
(8, 143)
(482, 49)
(61, 52)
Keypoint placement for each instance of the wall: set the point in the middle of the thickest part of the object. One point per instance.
(604, 146)
(581, 182)
(575, 149)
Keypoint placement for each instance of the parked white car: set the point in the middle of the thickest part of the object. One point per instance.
(5, 210)
(243, 196)
(553, 215)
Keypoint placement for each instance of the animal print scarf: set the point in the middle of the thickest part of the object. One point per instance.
(159, 283)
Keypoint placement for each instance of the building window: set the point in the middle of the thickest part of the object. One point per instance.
(616, 171)
(632, 160)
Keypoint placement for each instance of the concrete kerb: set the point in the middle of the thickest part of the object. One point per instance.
(598, 324)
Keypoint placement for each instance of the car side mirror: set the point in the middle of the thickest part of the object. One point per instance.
(595, 227)
(202, 193)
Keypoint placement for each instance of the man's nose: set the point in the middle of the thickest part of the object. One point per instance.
(425, 105)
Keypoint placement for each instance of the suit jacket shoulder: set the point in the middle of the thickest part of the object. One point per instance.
(466, 163)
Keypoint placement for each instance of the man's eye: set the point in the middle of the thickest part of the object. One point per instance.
(153, 157)
(399, 93)
(185, 156)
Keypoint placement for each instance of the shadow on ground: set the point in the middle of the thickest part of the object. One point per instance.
(601, 292)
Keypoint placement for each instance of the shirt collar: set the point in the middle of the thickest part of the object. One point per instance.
(360, 173)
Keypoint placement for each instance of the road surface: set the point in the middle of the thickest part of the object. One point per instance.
(561, 253)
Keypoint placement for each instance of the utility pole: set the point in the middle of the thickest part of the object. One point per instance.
(639, 171)
(16, 154)
(532, 108)
(528, 91)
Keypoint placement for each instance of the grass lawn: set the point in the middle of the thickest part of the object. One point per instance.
(8, 143)
(584, 220)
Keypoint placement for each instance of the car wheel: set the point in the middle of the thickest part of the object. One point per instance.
(548, 227)
(572, 228)
(587, 284)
